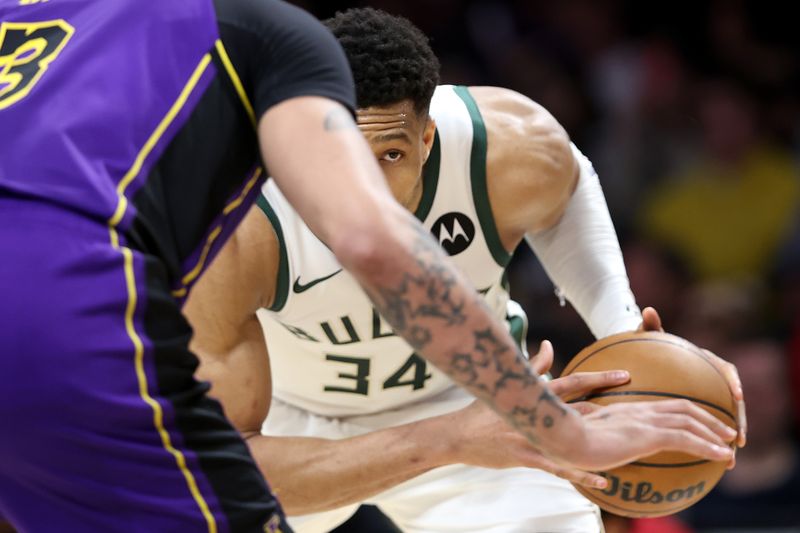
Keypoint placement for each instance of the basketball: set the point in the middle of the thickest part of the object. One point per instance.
(661, 366)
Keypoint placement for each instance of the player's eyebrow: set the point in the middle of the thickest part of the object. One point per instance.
(393, 136)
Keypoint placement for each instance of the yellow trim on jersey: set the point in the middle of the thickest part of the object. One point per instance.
(158, 414)
(129, 176)
(8, 62)
(237, 83)
(130, 281)
(201, 261)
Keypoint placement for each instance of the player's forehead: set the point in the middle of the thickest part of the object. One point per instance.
(391, 121)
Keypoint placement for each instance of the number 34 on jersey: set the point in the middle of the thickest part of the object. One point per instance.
(354, 372)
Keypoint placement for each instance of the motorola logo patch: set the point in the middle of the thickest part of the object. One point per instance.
(454, 232)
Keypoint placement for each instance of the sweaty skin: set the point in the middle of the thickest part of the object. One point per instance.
(531, 174)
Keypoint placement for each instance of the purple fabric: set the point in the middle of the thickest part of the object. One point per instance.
(228, 223)
(78, 131)
(79, 447)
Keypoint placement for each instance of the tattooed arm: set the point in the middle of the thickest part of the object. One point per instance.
(324, 167)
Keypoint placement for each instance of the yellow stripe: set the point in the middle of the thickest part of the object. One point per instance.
(154, 137)
(203, 255)
(130, 281)
(158, 415)
(239, 199)
(236, 202)
(237, 83)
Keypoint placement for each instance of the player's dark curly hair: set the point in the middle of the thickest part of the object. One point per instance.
(390, 57)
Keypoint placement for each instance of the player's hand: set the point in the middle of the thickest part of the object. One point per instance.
(618, 434)
(732, 376)
(652, 322)
(542, 361)
(482, 438)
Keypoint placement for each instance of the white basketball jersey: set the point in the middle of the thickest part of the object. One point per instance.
(330, 351)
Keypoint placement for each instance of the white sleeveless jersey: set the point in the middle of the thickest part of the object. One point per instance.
(330, 351)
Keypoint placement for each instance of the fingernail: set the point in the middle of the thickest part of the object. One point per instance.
(600, 483)
(620, 374)
(724, 453)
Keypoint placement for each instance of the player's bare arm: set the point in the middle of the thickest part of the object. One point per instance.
(315, 474)
(532, 174)
(434, 308)
(227, 335)
(309, 474)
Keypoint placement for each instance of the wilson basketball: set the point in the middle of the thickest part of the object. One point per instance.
(661, 366)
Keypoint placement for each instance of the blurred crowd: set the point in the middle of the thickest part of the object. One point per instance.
(690, 112)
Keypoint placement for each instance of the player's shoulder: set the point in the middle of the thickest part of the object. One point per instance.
(530, 165)
(515, 117)
(268, 20)
(249, 12)
(523, 135)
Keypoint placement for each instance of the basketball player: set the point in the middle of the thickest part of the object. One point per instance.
(358, 415)
(132, 136)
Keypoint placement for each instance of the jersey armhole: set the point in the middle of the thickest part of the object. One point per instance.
(480, 190)
(282, 284)
(221, 55)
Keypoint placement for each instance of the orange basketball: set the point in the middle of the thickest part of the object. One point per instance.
(661, 366)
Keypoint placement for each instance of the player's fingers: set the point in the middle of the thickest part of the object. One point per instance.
(731, 374)
(687, 423)
(574, 475)
(580, 477)
(581, 383)
(742, 417)
(651, 320)
(678, 440)
(732, 463)
(687, 407)
(585, 408)
(543, 360)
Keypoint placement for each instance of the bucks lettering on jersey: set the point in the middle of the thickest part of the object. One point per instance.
(331, 352)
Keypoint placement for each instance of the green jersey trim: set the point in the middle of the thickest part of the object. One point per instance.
(480, 191)
(282, 284)
(518, 326)
(430, 179)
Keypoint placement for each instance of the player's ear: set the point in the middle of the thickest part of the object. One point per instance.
(428, 135)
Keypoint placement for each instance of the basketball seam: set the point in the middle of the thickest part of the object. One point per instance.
(671, 465)
(687, 345)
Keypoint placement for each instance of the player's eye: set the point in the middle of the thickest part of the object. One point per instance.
(392, 156)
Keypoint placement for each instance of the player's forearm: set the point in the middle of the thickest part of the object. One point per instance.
(239, 375)
(404, 271)
(311, 475)
(581, 254)
(432, 305)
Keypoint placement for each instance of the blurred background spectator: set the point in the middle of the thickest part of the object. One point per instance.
(690, 112)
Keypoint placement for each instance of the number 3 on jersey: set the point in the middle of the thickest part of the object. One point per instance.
(26, 50)
(413, 373)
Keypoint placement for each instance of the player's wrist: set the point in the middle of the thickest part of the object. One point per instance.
(438, 441)
(566, 439)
